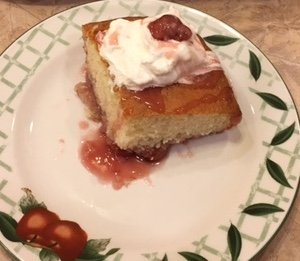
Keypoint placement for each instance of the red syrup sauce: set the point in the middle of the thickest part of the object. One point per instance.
(103, 158)
(111, 164)
(83, 125)
(98, 154)
(86, 95)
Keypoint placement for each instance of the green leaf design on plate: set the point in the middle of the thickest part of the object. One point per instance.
(28, 202)
(283, 135)
(277, 173)
(220, 40)
(234, 241)
(273, 100)
(261, 209)
(97, 256)
(112, 251)
(93, 247)
(165, 258)
(254, 65)
(8, 227)
(189, 256)
(48, 255)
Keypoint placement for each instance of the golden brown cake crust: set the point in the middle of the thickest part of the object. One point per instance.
(210, 93)
(149, 119)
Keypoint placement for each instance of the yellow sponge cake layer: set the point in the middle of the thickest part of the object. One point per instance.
(137, 120)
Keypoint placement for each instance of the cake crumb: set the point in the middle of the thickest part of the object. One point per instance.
(83, 125)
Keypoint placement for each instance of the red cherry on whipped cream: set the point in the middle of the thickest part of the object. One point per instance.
(169, 27)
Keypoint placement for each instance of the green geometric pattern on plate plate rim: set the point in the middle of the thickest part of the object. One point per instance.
(21, 60)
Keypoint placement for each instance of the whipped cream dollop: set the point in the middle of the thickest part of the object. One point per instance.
(137, 60)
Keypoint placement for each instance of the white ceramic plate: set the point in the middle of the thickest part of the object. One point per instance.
(221, 197)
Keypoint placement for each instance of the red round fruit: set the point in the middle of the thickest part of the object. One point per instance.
(67, 239)
(31, 225)
(169, 27)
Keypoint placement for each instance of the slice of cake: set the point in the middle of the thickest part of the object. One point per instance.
(157, 82)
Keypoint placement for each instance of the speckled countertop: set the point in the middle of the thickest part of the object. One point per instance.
(272, 25)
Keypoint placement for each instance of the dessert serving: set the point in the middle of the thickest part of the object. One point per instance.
(113, 195)
(157, 83)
